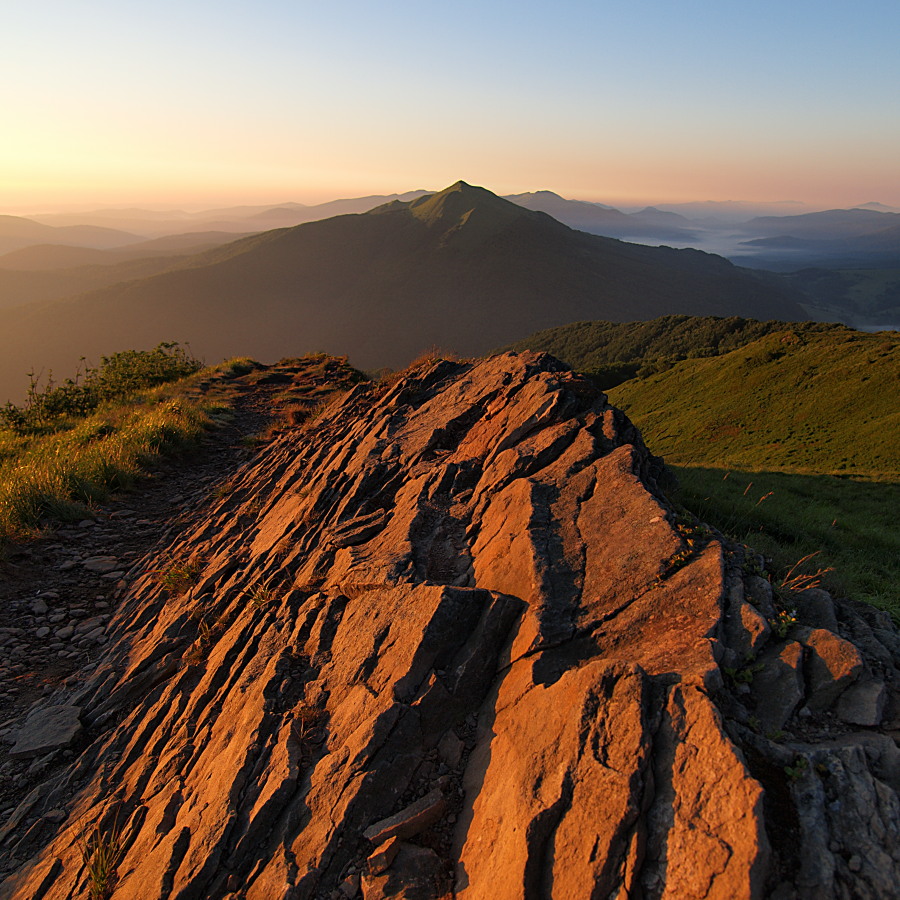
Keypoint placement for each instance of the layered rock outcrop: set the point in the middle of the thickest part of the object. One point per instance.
(449, 640)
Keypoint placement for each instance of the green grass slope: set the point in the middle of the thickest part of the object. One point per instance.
(820, 403)
(843, 525)
(614, 352)
(790, 444)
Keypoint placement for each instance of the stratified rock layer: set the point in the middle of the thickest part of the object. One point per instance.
(449, 640)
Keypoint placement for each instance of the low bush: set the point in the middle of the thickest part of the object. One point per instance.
(118, 376)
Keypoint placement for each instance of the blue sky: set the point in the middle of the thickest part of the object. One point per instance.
(201, 102)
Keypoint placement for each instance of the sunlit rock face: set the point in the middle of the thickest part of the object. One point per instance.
(450, 640)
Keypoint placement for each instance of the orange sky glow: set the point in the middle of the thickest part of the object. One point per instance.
(197, 104)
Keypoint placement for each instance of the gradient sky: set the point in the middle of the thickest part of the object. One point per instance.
(198, 103)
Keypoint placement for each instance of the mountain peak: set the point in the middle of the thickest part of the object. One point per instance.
(479, 211)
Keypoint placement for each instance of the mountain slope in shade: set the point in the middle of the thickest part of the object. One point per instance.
(462, 269)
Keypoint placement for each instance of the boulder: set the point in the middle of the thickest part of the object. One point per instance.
(777, 685)
(832, 665)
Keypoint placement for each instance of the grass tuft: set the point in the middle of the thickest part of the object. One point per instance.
(101, 853)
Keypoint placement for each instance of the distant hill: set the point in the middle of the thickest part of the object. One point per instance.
(797, 400)
(16, 231)
(45, 257)
(728, 213)
(596, 218)
(831, 224)
(883, 241)
(842, 239)
(462, 269)
(234, 219)
(614, 352)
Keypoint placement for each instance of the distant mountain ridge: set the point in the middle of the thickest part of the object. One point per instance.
(463, 269)
(235, 219)
(597, 218)
(828, 224)
(16, 232)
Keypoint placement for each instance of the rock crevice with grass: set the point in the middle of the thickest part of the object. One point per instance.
(449, 639)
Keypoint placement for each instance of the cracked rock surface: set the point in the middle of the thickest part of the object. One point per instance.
(449, 640)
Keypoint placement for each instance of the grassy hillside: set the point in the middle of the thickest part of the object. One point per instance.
(844, 525)
(790, 444)
(70, 444)
(614, 352)
(803, 401)
(462, 269)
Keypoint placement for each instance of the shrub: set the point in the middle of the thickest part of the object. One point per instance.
(117, 376)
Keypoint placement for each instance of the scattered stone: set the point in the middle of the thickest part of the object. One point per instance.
(747, 629)
(417, 873)
(379, 861)
(759, 593)
(47, 729)
(101, 564)
(410, 821)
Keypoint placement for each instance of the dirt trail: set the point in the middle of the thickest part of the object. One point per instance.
(58, 592)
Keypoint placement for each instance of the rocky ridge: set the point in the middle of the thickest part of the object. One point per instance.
(449, 640)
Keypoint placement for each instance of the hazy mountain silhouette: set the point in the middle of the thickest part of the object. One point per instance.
(828, 224)
(879, 207)
(234, 219)
(16, 231)
(462, 269)
(45, 257)
(596, 218)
